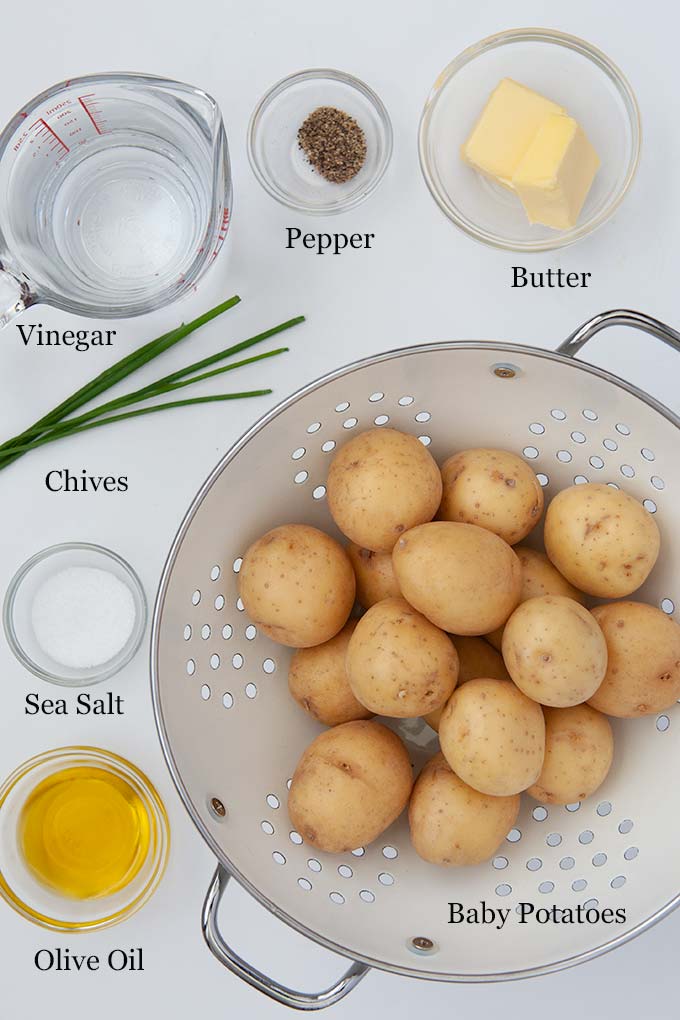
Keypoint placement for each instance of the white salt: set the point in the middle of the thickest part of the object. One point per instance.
(83, 616)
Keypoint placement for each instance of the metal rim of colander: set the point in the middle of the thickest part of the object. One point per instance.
(493, 347)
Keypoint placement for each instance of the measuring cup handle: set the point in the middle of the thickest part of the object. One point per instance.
(238, 966)
(15, 295)
(618, 317)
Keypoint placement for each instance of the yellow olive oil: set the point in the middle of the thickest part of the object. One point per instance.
(84, 832)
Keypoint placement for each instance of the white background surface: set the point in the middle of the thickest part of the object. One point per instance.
(423, 281)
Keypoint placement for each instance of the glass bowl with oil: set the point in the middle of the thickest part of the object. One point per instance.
(84, 839)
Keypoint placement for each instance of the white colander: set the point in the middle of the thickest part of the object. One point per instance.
(222, 703)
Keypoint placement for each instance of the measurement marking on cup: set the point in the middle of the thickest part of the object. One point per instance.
(81, 100)
(46, 128)
(222, 233)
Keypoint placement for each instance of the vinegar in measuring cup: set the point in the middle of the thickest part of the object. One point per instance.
(116, 193)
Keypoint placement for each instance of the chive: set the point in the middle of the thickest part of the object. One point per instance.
(120, 370)
(49, 438)
(64, 428)
(159, 387)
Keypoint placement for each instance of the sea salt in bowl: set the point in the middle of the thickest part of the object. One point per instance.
(75, 614)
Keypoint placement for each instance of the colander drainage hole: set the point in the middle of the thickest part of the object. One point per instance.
(219, 602)
(228, 700)
(558, 414)
(214, 661)
(622, 429)
(336, 897)
(649, 505)
(382, 419)
(301, 477)
(367, 896)
(425, 440)
(349, 423)
(631, 853)
(596, 462)
(539, 814)
(543, 479)
(345, 871)
(586, 837)
(251, 691)
(405, 401)
(385, 878)
(578, 437)
(536, 428)
(215, 573)
(580, 480)
(588, 414)
(319, 492)
(657, 482)
(187, 632)
(267, 828)
(573, 807)
(553, 839)
(239, 604)
(423, 416)
(344, 406)
(579, 885)
(625, 826)
(314, 865)
(191, 667)
(273, 801)
(514, 836)
(617, 882)
(503, 889)
(251, 632)
(305, 884)
(647, 454)
(299, 453)
(610, 444)
(564, 456)
(314, 427)
(268, 665)
(205, 631)
(205, 692)
(295, 837)
(278, 857)
(390, 852)
(591, 904)
(599, 860)
(567, 863)
(627, 470)
(534, 864)
(236, 660)
(530, 452)
(604, 808)
(237, 564)
(196, 598)
(359, 852)
(500, 863)
(328, 446)
(375, 397)
(668, 606)
(546, 887)
(663, 723)
(227, 631)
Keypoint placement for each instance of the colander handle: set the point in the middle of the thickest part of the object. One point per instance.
(238, 966)
(618, 317)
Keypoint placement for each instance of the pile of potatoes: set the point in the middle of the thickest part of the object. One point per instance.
(491, 642)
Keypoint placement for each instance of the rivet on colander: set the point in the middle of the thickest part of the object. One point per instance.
(505, 371)
(421, 944)
(217, 807)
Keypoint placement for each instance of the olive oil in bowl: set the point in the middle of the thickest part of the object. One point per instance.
(84, 832)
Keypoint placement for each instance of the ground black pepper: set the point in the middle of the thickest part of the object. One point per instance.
(333, 143)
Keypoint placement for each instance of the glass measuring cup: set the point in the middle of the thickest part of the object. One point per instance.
(115, 195)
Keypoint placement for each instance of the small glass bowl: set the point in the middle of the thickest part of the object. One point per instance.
(277, 160)
(36, 902)
(19, 601)
(561, 67)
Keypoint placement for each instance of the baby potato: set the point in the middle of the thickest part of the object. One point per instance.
(453, 824)
(398, 663)
(464, 579)
(601, 539)
(554, 650)
(349, 786)
(539, 577)
(380, 484)
(317, 679)
(476, 659)
(493, 737)
(643, 673)
(297, 585)
(494, 489)
(579, 746)
(374, 575)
